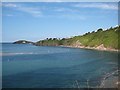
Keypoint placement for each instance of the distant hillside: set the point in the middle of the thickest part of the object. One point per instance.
(101, 39)
(23, 42)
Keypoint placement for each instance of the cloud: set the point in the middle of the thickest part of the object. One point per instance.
(97, 5)
(61, 0)
(65, 10)
(52, 0)
(73, 17)
(9, 5)
(9, 15)
(34, 11)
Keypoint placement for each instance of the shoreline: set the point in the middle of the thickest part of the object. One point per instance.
(99, 48)
(111, 80)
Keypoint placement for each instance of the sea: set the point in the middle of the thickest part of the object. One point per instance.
(30, 66)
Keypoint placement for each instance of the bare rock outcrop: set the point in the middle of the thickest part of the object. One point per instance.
(101, 47)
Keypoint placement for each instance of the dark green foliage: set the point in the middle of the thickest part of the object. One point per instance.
(93, 32)
(109, 38)
(99, 30)
(23, 42)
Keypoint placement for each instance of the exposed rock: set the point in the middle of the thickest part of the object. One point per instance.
(101, 47)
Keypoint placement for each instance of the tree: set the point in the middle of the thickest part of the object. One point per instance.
(50, 38)
(93, 31)
(111, 28)
(87, 33)
(46, 38)
(99, 30)
(54, 38)
(63, 38)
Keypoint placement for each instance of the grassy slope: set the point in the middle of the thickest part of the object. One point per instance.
(108, 37)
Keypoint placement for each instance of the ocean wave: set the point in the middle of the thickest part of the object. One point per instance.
(26, 53)
(9, 54)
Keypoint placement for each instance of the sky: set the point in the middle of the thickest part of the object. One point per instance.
(39, 20)
(60, 0)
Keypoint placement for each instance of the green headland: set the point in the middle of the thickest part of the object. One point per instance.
(100, 39)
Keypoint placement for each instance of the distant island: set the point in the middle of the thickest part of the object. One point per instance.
(100, 40)
(23, 42)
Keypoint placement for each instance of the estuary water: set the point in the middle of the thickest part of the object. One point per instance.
(29, 66)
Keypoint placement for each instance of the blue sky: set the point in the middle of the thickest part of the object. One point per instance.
(39, 20)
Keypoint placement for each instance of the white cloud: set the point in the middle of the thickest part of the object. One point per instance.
(9, 15)
(97, 5)
(52, 0)
(34, 11)
(9, 5)
(60, 0)
(65, 10)
(73, 17)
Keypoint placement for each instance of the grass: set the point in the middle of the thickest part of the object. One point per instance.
(109, 38)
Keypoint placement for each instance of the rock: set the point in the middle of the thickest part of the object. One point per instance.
(101, 47)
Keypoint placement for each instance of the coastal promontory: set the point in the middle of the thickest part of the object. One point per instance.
(100, 39)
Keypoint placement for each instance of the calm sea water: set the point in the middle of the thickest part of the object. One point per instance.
(29, 66)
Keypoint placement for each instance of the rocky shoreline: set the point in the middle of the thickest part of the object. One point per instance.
(111, 80)
(75, 45)
(100, 48)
